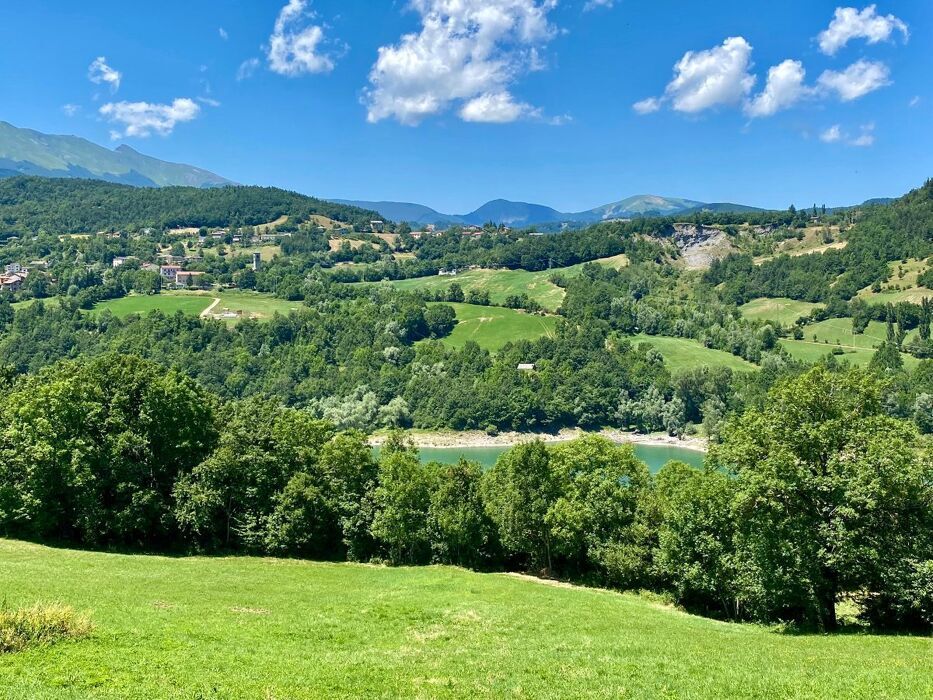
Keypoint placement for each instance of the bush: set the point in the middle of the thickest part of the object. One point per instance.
(40, 625)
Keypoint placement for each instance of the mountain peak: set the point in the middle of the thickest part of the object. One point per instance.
(29, 152)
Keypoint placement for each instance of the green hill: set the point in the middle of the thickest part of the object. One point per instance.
(269, 628)
(56, 205)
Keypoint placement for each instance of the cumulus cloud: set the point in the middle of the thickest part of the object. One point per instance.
(99, 73)
(71, 109)
(784, 88)
(595, 4)
(247, 69)
(494, 108)
(141, 119)
(705, 79)
(295, 47)
(223, 33)
(849, 23)
(859, 79)
(466, 51)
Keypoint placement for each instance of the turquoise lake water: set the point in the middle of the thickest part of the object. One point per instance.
(655, 456)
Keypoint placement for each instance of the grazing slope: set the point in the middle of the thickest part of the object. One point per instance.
(28, 152)
(243, 627)
(491, 327)
(501, 284)
(683, 353)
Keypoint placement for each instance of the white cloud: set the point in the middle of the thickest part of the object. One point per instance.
(99, 72)
(247, 69)
(494, 108)
(859, 79)
(223, 33)
(467, 51)
(783, 89)
(914, 101)
(705, 79)
(849, 23)
(832, 134)
(866, 136)
(835, 134)
(209, 101)
(295, 49)
(142, 119)
(647, 106)
(594, 4)
(71, 109)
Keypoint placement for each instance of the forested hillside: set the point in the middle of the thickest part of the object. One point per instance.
(900, 230)
(32, 204)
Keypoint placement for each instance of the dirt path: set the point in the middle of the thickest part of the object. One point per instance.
(209, 309)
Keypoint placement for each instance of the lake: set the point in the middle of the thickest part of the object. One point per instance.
(655, 456)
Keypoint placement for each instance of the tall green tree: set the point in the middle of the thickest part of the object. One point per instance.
(833, 498)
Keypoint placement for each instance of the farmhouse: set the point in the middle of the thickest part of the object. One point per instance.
(169, 272)
(188, 279)
(11, 283)
(526, 367)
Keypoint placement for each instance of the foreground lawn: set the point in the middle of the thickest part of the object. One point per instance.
(684, 353)
(267, 628)
(492, 326)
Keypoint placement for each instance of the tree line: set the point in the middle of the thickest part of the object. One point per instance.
(814, 498)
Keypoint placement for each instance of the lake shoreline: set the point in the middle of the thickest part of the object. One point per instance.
(453, 439)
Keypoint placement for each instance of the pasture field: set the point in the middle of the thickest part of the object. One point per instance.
(503, 283)
(191, 303)
(779, 309)
(812, 242)
(901, 286)
(270, 628)
(684, 353)
(493, 326)
(821, 338)
(248, 304)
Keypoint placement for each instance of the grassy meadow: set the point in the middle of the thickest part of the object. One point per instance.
(269, 628)
(780, 309)
(251, 304)
(684, 353)
(493, 326)
(504, 283)
(901, 286)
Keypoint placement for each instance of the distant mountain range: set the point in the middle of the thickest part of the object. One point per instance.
(519, 214)
(28, 152)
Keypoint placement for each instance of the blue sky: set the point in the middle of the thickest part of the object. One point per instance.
(449, 103)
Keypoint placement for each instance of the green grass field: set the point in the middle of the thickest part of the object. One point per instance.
(781, 310)
(167, 302)
(492, 326)
(248, 304)
(902, 285)
(819, 339)
(269, 628)
(503, 283)
(683, 353)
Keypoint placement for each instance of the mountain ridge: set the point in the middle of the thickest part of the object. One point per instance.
(520, 214)
(30, 152)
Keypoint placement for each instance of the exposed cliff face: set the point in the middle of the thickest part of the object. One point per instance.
(699, 245)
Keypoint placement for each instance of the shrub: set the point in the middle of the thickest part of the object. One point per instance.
(40, 625)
